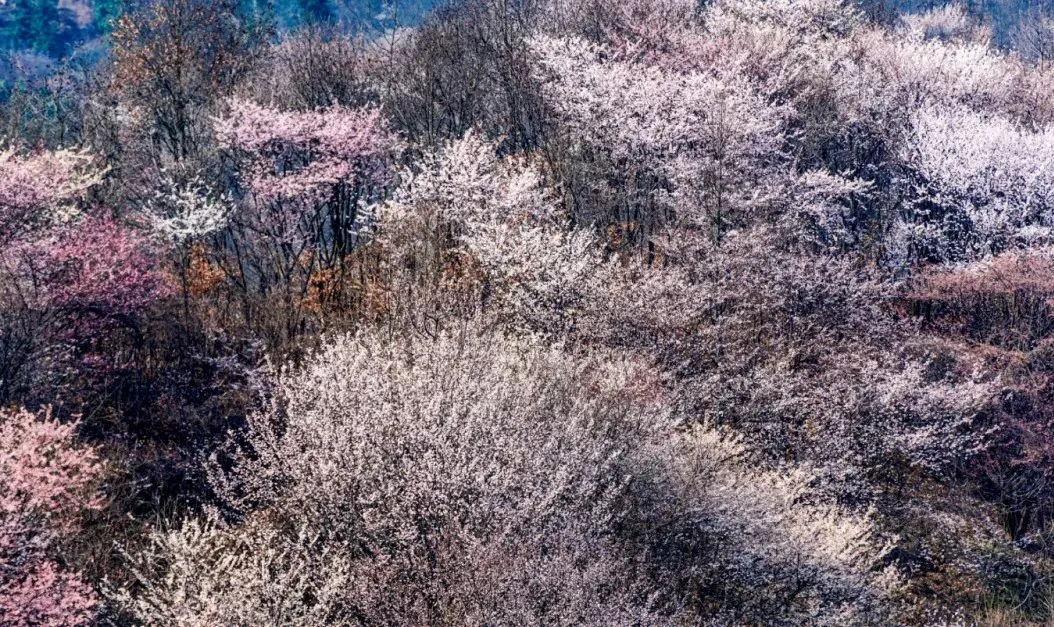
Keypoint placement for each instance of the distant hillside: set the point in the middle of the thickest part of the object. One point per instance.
(58, 28)
(1002, 15)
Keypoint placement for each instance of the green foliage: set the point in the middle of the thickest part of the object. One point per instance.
(38, 25)
(315, 11)
(105, 13)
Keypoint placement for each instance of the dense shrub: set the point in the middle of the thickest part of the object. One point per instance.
(478, 478)
(46, 482)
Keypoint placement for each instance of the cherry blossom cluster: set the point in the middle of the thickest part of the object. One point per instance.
(46, 482)
(295, 156)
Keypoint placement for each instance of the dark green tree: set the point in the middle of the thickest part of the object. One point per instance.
(315, 11)
(38, 25)
(105, 14)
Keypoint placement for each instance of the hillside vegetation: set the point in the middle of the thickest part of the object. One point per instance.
(547, 312)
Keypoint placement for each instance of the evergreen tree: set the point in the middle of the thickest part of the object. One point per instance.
(315, 11)
(38, 25)
(105, 13)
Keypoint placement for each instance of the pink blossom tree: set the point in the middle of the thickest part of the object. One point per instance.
(304, 177)
(68, 272)
(46, 482)
(300, 156)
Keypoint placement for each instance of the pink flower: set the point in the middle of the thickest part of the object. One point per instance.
(46, 481)
(100, 266)
(301, 155)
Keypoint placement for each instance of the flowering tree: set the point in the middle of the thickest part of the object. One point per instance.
(39, 190)
(478, 477)
(46, 481)
(301, 157)
(185, 211)
(985, 185)
(950, 22)
(464, 205)
(66, 275)
(305, 177)
(704, 137)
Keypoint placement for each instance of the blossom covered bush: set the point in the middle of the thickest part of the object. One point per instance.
(985, 185)
(473, 477)
(67, 272)
(46, 482)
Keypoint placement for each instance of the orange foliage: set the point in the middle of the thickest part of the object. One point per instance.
(202, 275)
